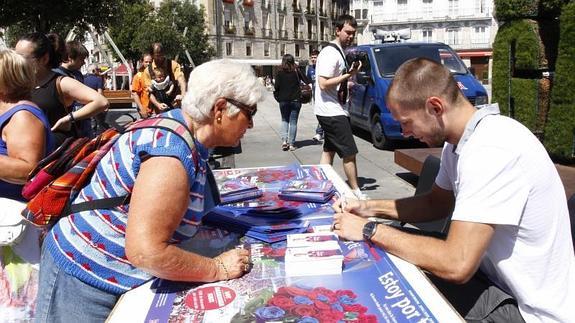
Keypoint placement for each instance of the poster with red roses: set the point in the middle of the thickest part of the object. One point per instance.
(370, 289)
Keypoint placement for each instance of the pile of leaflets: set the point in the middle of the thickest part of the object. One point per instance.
(307, 190)
(260, 220)
(236, 190)
(313, 254)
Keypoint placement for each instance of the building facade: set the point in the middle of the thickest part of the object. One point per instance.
(268, 29)
(467, 26)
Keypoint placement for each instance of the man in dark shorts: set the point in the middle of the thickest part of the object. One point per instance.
(332, 75)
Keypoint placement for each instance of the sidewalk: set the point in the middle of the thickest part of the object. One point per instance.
(261, 146)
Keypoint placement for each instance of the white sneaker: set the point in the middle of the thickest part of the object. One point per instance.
(317, 137)
(360, 195)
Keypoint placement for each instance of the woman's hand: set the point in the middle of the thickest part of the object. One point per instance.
(63, 124)
(232, 264)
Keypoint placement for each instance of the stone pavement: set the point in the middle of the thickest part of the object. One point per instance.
(379, 176)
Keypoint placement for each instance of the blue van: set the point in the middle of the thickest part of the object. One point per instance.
(367, 108)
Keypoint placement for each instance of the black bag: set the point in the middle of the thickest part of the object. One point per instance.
(305, 93)
(304, 88)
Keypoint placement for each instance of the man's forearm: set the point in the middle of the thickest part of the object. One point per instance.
(413, 209)
(326, 83)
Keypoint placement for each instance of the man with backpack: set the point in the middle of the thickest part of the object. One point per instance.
(171, 68)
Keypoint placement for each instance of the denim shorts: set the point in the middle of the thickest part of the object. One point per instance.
(64, 298)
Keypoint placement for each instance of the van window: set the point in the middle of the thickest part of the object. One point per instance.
(389, 59)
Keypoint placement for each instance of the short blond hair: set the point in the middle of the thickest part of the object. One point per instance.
(17, 77)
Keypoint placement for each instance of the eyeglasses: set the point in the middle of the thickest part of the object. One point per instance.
(251, 110)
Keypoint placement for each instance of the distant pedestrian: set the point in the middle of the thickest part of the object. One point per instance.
(94, 81)
(287, 93)
(310, 73)
(140, 87)
(331, 97)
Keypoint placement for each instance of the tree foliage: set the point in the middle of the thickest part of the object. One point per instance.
(50, 15)
(139, 26)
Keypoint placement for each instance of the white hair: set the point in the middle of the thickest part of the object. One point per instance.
(221, 78)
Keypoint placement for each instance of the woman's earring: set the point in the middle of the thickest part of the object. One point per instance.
(219, 120)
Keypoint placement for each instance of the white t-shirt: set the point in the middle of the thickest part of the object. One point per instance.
(329, 64)
(501, 174)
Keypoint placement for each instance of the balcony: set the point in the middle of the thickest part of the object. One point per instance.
(310, 35)
(310, 11)
(283, 34)
(229, 29)
(298, 34)
(267, 33)
(249, 31)
(296, 7)
(463, 14)
(325, 37)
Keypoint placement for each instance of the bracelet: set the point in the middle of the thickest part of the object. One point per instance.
(72, 119)
(220, 263)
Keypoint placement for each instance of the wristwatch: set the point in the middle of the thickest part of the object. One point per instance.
(369, 230)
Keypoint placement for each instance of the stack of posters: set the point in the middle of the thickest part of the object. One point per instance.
(307, 190)
(236, 190)
(313, 254)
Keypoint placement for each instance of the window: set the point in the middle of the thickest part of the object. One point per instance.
(453, 36)
(229, 49)
(267, 49)
(401, 8)
(296, 50)
(480, 6)
(453, 8)
(364, 14)
(427, 35)
(427, 8)
(480, 35)
(282, 49)
(378, 3)
(357, 14)
(248, 49)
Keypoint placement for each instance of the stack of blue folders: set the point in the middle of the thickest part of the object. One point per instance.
(264, 221)
(236, 190)
(307, 190)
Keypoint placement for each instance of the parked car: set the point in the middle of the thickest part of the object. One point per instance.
(367, 106)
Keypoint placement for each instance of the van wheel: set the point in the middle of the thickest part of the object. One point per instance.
(377, 133)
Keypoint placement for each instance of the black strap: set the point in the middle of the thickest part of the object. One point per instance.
(105, 203)
(341, 53)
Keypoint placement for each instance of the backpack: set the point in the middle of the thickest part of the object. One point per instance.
(58, 178)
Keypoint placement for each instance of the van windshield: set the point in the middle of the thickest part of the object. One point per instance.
(390, 58)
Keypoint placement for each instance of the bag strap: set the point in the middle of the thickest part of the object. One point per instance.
(340, 52)
(173, 125)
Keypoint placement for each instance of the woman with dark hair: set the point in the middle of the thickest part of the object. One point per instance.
(287, 93)
(55, 93)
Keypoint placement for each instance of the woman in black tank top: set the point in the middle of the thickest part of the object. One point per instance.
(53, 93)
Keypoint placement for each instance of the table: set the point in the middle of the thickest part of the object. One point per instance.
(381, 283)
(412, 160)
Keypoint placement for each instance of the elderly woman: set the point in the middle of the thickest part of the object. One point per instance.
(53, 93)
(25, 139)
(91, 258)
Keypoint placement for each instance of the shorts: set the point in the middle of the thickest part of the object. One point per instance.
(338, 136)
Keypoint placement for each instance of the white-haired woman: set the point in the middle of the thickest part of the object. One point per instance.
(90, 258)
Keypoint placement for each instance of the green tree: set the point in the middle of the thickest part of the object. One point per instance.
(139, 26)
(50, 15)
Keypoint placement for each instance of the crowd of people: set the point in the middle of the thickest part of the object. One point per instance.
(508, 249)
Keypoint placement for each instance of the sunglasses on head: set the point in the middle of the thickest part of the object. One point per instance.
(251, 110)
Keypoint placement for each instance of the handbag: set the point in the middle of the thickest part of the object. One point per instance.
(304, 89)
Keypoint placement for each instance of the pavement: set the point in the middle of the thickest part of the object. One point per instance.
(378, 175)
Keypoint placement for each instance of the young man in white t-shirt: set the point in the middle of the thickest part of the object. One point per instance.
(508, 206)
(332, 74)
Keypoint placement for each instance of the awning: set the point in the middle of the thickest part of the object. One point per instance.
(479, 53)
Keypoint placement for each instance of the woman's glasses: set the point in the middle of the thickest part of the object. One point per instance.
(251, 110)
